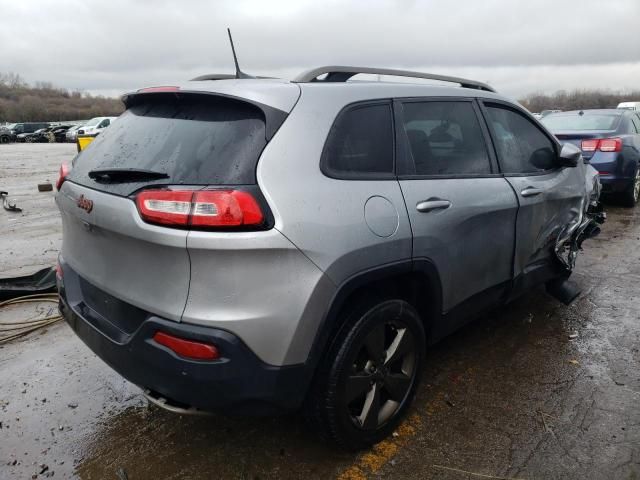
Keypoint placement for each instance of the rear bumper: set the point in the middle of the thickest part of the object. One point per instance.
(239, 381)
(615, 183)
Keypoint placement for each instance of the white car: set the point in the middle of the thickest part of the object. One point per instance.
(95, 125)
(629, 105)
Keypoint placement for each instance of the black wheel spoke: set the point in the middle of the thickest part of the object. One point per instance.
(357, 385)
(396, 385)
(401, 345)
(371, 409)
(374, 343)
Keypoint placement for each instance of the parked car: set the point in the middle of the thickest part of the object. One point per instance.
(95, 125)
(629, 105)
(44, 135)
(72, 133)
(27, 128)
(255, 244)
(610, 141)
(5, 135)
(60, 132)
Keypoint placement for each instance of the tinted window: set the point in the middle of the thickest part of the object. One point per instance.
(636, 123)
(361, 142)
(521, 146)
(559, 122)
(198, 139)
(445, 138)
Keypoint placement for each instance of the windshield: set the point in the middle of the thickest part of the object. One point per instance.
(93, 122)
(197, 140)
(559, 122)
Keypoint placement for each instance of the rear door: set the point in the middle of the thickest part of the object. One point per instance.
(194, 141)
(550, 197)
(462, 211)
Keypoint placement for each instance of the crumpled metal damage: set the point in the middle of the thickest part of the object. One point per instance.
(584, 224)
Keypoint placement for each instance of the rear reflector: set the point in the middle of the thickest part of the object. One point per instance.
(62, 174)
(59, 273)
(199, 208)
(187, 348)
(602, 144)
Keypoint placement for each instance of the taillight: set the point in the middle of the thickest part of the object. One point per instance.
(200, 208)
(62, 174)
(602, 144)
(610, 145)
(187, 348)
(589, 145)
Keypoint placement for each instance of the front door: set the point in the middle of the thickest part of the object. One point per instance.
(550, 197)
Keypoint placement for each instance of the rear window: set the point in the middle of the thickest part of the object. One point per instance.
(570, 122)
(194, 139)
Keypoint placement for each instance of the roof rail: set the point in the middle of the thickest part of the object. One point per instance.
(342, 74)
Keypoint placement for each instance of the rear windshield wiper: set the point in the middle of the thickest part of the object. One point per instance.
(116, 175)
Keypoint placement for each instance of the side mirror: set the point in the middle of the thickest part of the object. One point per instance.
(570, 155)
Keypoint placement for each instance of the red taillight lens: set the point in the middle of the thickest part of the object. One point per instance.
(187, 348)
(62, 175)
(589, 145)
(199, 208)
(166, 207)
(225, 208)
(59, 273)
(602, 144)
(610, 145)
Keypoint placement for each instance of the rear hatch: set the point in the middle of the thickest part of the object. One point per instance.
(163, 141)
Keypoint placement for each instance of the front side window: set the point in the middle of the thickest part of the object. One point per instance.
(360, 143)
(445, 138)
(521, 146)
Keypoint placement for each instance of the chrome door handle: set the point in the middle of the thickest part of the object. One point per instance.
(430, 205)
(530, 192)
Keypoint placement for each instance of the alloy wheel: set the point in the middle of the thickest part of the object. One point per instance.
(381, 375)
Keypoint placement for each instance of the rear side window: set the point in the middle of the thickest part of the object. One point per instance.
(360, 143)
(445, 138)
(522, 147)
(195, 139)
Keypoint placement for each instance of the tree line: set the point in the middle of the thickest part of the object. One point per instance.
(578, 100)
(21, 102)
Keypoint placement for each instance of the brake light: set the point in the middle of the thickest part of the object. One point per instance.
(62, 174)
(187, 348)
(602, 144)
(610, 145)
(159, 89)
(59, 272)
(199, 208)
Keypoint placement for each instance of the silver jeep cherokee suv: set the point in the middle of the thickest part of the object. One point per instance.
(257, 245)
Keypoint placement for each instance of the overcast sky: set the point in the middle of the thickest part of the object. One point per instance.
(519, 47)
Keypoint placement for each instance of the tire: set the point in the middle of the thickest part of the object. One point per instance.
(4, 139)
(631, 194)
(359, 397)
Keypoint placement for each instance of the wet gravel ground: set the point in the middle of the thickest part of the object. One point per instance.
(535, 390)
